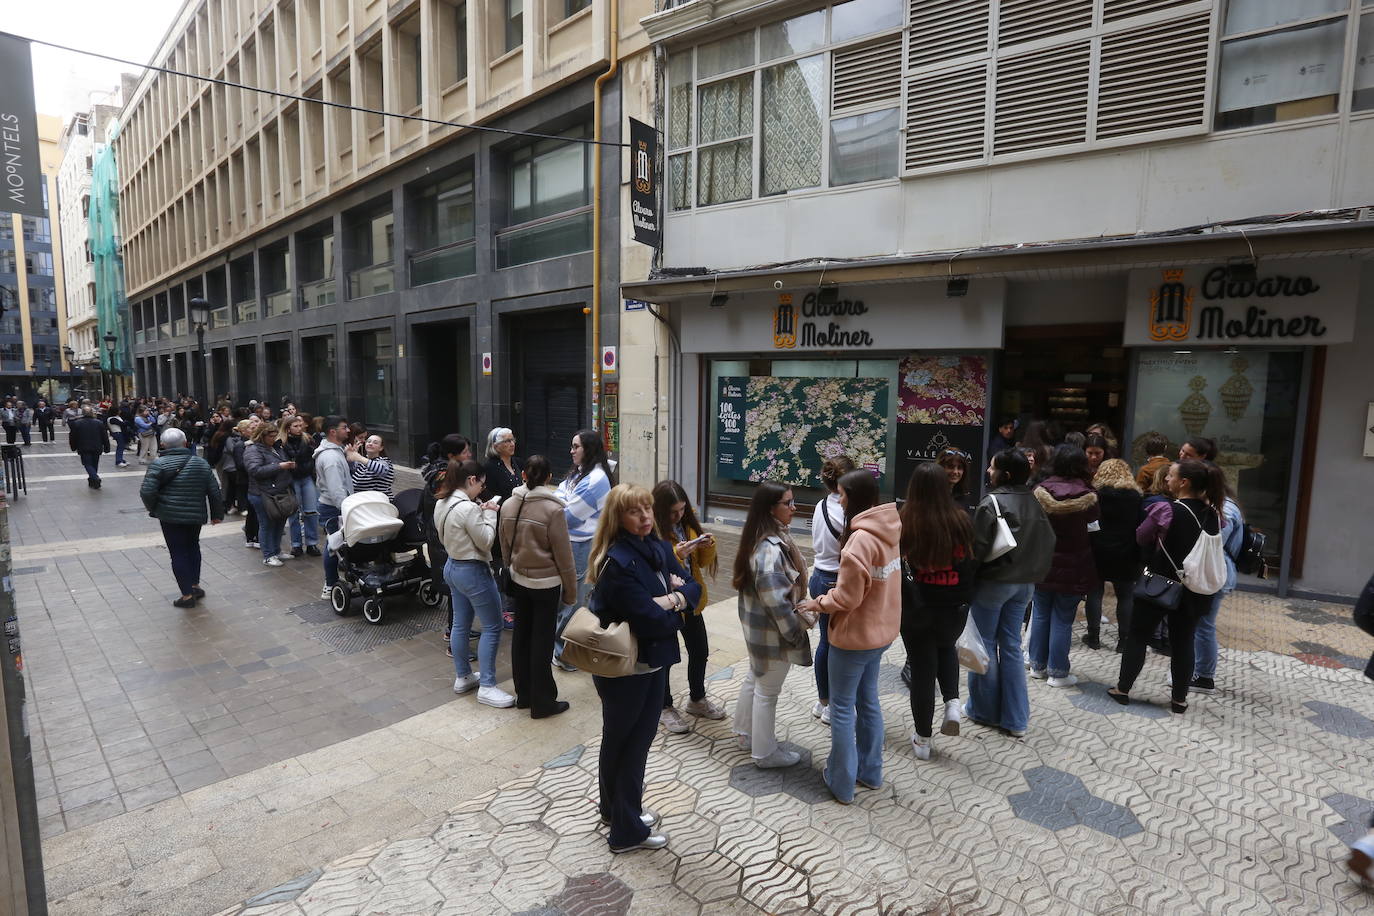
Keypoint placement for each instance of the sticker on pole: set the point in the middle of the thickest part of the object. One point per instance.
(486, 364)
(608, 360)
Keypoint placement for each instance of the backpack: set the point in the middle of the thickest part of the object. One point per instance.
(1204, 568)
(1250, 558)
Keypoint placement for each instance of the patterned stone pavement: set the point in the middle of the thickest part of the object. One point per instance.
(1244, 805)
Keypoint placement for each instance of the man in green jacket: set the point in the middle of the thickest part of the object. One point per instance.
(176, 491)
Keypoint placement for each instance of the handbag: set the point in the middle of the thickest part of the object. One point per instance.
(1157, 588)
(1003, 541)
(606, 650)
(280, 505)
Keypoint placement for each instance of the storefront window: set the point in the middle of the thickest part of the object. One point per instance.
(374, 377)
(319, 395)
(1244, 400)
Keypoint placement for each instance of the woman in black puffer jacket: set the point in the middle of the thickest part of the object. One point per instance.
(304, 523)
(1114, 547)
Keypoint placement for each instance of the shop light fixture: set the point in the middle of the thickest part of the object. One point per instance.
(1242, 270)
(828, 295)
(956, 287)
(718, 300)
(1182, 352)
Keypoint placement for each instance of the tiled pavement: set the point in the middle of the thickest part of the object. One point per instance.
(427, 804)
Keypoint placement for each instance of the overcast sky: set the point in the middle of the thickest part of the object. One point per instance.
(63, 81)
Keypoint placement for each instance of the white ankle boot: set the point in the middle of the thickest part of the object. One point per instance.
(951, 724)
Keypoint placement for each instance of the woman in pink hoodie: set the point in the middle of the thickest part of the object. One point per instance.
(865, 609)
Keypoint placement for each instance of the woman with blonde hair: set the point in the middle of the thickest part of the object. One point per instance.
(1114, 547)
(638, 581)
(269, 473)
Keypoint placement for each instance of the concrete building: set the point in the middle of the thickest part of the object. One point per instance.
(33, 325)
(82, 139)
(891, 224)
(417, 276)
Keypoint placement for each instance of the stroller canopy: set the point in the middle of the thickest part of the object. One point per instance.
(369, 518)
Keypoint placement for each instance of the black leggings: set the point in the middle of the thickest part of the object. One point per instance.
(929, 636)
(694, 636)
(1145, 618)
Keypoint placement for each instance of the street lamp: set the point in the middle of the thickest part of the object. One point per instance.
(200, 315)
(110, 342)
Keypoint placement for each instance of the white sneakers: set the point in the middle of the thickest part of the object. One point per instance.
(285, 556)
(821, 711)
(952, 715)
(920, 747)
(1067, 680)
(781, 757)
(672, 721)
(464, 684)
(325, 593)
(495, 696)
(271, 561)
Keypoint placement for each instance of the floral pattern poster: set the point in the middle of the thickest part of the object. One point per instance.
(943, 390)
(782, 429)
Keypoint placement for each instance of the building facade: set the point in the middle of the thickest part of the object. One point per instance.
(417, 276)
(34, 320)
(944, 214)
(83, 137)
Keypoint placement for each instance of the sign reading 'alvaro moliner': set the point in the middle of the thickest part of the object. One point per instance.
(1292, 302)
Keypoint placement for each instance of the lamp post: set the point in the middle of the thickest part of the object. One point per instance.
(200, 315)
(110, 342)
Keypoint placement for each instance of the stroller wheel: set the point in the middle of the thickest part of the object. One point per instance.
(340, 598)
(429, 595)
(372, 610)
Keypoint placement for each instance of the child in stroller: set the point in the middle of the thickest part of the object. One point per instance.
(379, 543)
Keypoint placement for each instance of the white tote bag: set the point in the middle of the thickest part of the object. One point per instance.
(1204, 568)
(1003, 541)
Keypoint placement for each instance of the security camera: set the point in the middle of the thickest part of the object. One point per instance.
(777, 284)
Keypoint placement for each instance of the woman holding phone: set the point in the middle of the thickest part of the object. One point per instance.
(696, 549)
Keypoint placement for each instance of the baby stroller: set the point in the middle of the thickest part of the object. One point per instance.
(378, 546)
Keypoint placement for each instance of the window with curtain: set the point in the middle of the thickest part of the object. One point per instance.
(1280, 60)
(791, 115)
(725, 126)
(680, 130)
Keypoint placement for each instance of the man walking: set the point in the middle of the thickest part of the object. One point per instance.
(89, 438)
(176, 490)
(45, 416)
(335, 484)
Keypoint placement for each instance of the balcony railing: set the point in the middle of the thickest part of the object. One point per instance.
(371, 281)
(456, 260)
(278, 303)
(552, 237)
(317, 293)
(247, 310)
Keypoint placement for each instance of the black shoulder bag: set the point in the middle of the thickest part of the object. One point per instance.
(277, 503)
(152, 513)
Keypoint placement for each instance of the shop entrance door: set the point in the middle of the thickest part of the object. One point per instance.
(1074, 375)
(443, 374)
(548, 383)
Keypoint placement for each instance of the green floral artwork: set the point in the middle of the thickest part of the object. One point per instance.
(791, 425)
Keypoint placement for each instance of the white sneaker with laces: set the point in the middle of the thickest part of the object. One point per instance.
(463, 684)
(326, 593)
(1067, 680)
(781, 757)
(271, 561)
(285, 556)
(821, 711)
(672, 720)
(951, 724)
(495, 696)
(252, 545)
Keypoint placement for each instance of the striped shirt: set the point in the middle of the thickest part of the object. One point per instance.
(584, 498)
(373, 474)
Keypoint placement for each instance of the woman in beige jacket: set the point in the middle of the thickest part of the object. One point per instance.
(533, 533)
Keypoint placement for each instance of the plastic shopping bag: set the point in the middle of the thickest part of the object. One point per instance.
(973, 655)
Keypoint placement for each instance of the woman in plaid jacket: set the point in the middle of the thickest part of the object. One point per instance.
(770, 575)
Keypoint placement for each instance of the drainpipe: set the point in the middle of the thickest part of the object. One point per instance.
(596, 210)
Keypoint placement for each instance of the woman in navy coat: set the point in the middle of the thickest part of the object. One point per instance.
(638, 581)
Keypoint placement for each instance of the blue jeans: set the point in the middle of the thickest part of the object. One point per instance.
(822, 582)
(120, 441)
(474, 593)
(309, 513)
(269, 532)
(1051, 630)
(999, 697)
(856, 721)
(329, 513)
(582, 552)
(1205, 641)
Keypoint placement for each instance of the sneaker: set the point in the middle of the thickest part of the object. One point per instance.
(252, 545)
(562, 665)
(705, 708)
(189, 601)
(649, 818)
(326, 593)
(297, 552)
(1039, 673)
(495, 696)
(920, 747)
(1202, 685)
(1017, 732)
(462, 684)
(652, 841)
(271, 561)
(1067, 680)
(672, 720)
(285, 556)
(821, 711)
(781, 757)
(951, 724)
(311, 550)
(122, 464)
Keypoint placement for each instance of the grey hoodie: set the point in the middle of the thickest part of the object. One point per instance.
(331, 474)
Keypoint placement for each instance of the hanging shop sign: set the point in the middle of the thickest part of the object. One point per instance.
(21, 172)
(908, 316)
(644, 184)
(783, 428)
(1292, 302)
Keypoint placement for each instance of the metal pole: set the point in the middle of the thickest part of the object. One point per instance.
(204, 370)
